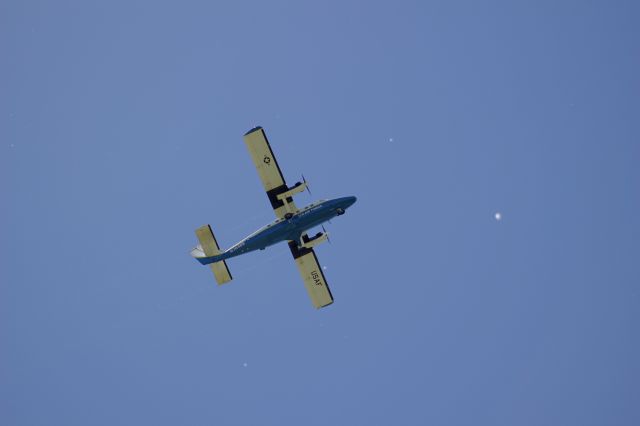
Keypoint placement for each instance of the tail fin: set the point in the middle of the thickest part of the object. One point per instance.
(210, 248)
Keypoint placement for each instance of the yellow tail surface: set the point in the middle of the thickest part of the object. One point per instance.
(211, 248)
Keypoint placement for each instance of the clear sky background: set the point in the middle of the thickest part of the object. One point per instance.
(121, 130)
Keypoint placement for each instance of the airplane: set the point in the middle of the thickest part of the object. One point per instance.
(291, 225)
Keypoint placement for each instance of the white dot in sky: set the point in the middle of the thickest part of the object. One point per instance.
(390, 139)
(324, 268)
(498, 216)
(245, 364)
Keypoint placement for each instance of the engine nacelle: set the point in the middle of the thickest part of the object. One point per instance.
(319, 238)
(295, 189)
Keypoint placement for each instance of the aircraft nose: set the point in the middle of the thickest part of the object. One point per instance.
(349, 201)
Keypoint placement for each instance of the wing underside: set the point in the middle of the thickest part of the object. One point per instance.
(312, 275)
(275, 185)
(269, 171)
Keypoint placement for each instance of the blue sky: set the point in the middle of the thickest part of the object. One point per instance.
(121, 132)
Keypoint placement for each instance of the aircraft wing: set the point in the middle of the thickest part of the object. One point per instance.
(312, 275)
(268, 170)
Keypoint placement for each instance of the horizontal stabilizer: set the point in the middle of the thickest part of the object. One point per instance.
(209, 247)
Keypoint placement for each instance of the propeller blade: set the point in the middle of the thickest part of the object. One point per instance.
(326, 233)
(307, 186)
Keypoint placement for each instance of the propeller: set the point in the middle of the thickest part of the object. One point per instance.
(326, 233)
(307, 186)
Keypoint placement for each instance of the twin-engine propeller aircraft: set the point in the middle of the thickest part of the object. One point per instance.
(291, 225)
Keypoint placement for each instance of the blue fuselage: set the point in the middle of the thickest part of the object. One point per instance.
(286, 229)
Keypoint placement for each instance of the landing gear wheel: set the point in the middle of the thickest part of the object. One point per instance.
(340, 211)
(288, 215)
